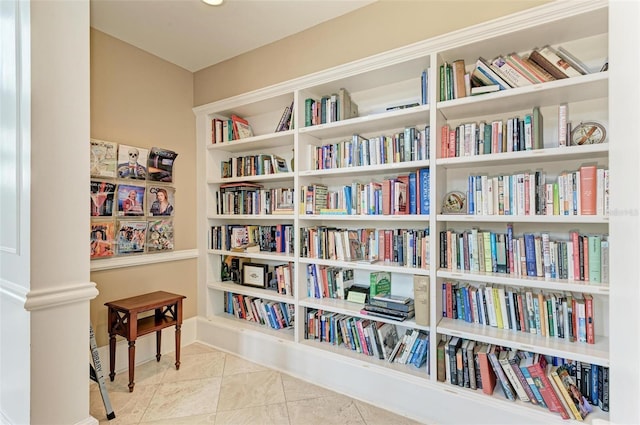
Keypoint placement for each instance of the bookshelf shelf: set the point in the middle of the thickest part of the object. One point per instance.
(376, 84)
(367, 170)
(364, 265)
(564, 219)
(384, 121)
(275, 256)
(576, 89)
(527, 282)
(597, 353)
(585, 152)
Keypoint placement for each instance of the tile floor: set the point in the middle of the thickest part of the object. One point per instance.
(213, 387)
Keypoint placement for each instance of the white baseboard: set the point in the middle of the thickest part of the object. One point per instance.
(88, 421)
(417, 398)
(146, 347)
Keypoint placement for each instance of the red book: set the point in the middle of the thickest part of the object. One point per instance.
(386, 196)
(588, 189)
(588, 306)
(444, 141)
(538, 371)
(452, 143)
(403, 196)
(487, 375)
(449, 298)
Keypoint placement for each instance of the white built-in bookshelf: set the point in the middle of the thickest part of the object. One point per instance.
(375, 84)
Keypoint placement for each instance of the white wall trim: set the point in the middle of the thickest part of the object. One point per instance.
(13, 291)
(140, 260)
(88, 421)
(41, 299)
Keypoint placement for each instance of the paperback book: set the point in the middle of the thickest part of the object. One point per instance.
(160, 235)
(160, 165)
(132, 162)
(132, 236)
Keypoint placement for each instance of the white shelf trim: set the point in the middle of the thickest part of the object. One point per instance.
(141, 260)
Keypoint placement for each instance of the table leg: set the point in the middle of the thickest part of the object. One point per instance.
(132, 360)
(178, 332)
(158, 340)
(112, 356)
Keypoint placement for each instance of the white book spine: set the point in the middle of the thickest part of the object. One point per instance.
(570, 275)
(600, 192)
(562, 125)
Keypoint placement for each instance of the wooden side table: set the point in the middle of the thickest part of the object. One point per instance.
(124, 321)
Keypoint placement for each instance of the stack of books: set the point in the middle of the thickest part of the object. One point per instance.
(393, 307)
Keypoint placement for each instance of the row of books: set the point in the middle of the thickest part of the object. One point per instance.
(253, 238)
(580, 258)
(508, 71)
(482, 138)
(286, 120)
(403, 194)
(369, 337)
(581, 192)
(253, 165)
(329, 108)
(410, 145)
(252, 198)
(228, 129)
(405, 247)
(276, 315)
(328, 281)
(554, 315)
(549, 382)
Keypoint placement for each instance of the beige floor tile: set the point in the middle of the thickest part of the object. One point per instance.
(186, 420)
(197, 366)
(331, 410)
(272, 414)
(148, 373)
(184, 398)
(128, 407)
(234, 365)
(197, 348)
(250, 389)
(375, 416)
(297, 389)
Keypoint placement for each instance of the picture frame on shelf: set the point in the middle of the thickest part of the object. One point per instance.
(255, 275)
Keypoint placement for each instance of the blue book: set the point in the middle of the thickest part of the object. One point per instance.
(530, 254)
(413, 193)
(594, 385)
(467, 305)
(423, 193)
(510, 256)
(423, 88)
(531, 382)
(471, 203)
(494, 253)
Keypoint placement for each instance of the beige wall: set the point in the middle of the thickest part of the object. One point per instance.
(141, 100)
(376, 28)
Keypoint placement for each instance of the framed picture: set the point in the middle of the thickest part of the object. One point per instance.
(254, 274)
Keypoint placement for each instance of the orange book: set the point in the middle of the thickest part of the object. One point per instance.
(458, 77)
(588, 307)
(588, 189)
(444, 141)
(487, 375)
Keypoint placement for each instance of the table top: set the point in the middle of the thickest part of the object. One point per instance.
(145, 302)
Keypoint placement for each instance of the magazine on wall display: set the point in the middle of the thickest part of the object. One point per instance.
(160, 165)
(130, 200)
(103, 158)
(160, 235)
(160, 200)
(132, 236)
(132, 162)
(101, 238)
(102, 197)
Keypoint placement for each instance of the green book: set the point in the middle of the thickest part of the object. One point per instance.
(536, 129)
(379, 283)
(594, 259)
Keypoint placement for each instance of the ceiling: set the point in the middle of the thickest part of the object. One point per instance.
(194, 35)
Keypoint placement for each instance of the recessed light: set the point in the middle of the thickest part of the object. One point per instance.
(213, 2)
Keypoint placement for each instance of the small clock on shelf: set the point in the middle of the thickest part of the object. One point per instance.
(588, 133)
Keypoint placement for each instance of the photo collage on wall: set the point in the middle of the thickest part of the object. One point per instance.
(132, 199)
